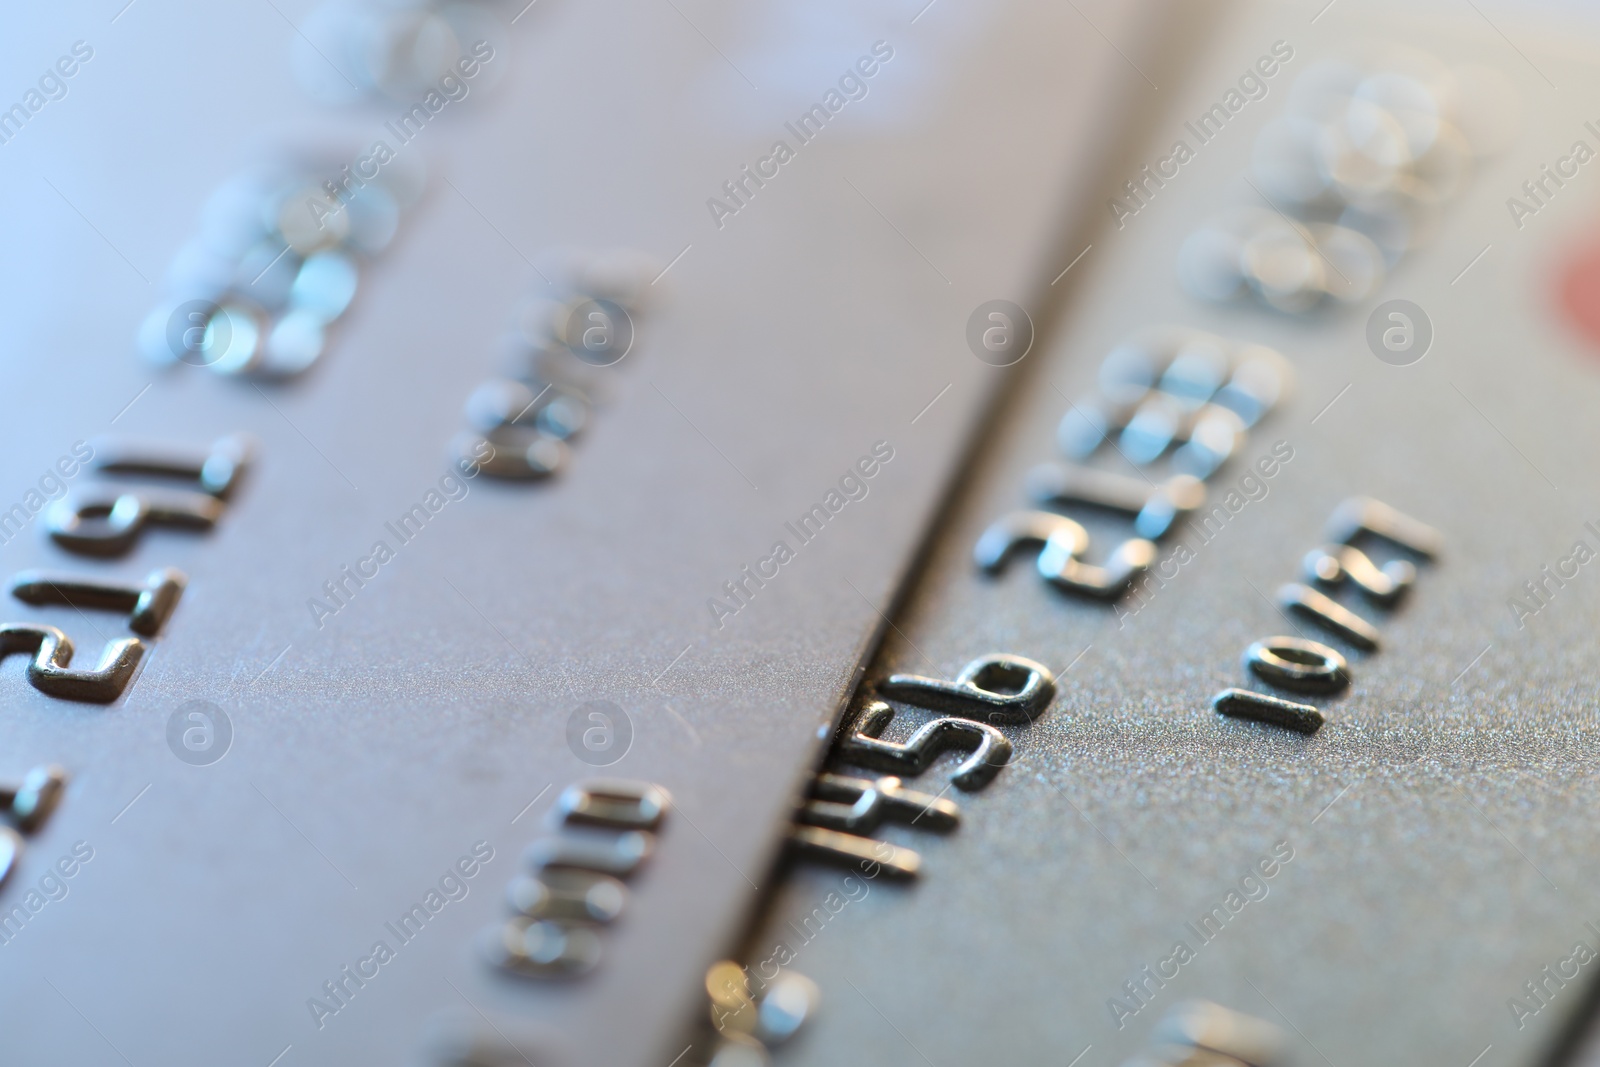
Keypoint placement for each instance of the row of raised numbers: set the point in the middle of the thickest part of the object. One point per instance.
(997, 688)
(606, 830)
(107, 521)
(1181, 394)
(1307, 666)
(553, 359)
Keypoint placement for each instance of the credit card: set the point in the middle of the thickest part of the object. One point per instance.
(421, 621)
(1314, 773)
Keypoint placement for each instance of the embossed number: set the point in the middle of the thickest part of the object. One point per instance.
(989, 747)
(51, 672)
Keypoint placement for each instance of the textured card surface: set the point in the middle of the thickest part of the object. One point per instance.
(303, 772)
(1395, 868)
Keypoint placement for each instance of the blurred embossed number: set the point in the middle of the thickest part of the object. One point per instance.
(108, 520)
(999, 333)
(599, 733)
(199, 733)
(1399, 332)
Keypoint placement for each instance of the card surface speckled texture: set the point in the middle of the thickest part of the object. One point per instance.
(693, 535)
(468, 364)
(1405, 875)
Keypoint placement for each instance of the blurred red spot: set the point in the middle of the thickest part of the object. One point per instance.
(1580, 291)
